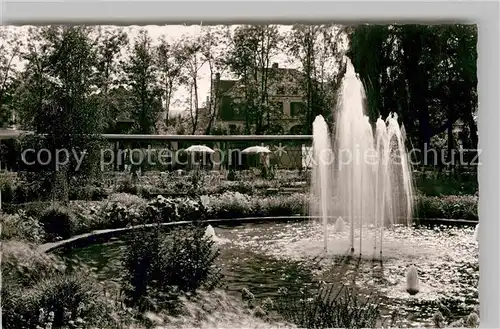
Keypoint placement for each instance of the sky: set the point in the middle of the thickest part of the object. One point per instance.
(174, 32)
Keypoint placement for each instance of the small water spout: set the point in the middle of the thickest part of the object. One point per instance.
(412, 281)
(210, 232)
(339, 225)
(476, 233)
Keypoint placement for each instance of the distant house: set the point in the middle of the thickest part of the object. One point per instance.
(284, 93)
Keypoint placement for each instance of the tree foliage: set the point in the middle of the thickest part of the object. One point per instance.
(82, 79)
(425, 73)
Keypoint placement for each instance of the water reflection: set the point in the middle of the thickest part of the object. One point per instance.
(269, 258)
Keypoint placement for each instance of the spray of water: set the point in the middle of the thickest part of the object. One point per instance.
(322, 175)
(370, 179)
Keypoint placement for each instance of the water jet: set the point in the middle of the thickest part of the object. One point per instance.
(412, 282)
(339, 225)
(370, 177)
(476, 233)
(210, 232)
(322, 173)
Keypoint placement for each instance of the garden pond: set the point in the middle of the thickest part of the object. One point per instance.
(270, 258)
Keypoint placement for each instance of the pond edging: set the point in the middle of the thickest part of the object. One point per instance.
(105, 235)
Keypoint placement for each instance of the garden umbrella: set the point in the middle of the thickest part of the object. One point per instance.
(262, 150)
(199, 149)
(256, 150)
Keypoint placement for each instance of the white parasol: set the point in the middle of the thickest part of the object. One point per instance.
(256, 150)
(199, 149)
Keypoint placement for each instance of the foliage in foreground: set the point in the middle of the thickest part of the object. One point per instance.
(61, 300)
(327, 308)
(159, 269)
(36, 291)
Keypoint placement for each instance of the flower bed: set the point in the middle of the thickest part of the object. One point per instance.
(122, 210)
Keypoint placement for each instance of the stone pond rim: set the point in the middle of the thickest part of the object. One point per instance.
(102, 236)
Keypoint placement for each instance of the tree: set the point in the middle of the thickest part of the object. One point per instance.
(252, 49)
(425, 73)
(170, 62)
(191, 56)
(214, 41)
(9, 54)
(59, 103)
(141, 78)
(317, 48)
(110, 42)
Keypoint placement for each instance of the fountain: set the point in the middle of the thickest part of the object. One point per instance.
(371, 175)
(322, 174)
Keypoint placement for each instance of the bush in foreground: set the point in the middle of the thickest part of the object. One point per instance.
(328, 309)
(160, 268)
(61, 300)
(23, 264)
(36, 291)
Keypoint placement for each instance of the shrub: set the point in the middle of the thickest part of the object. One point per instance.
(282, 205)
(243, 188)
(128, 185)
(59, 300)
(23, 264)
(183, 186)
(117, 215)
(88, 192)
(161, 209)
(191, 209)
(149, 191)
(122, 209)
(159, 269)
(439, 183)
(328, 309)
(89, 216)
(7, 186)
(32, 209)
(451, 207)
(57, 222)
(32, 187)
(231, 204)
(21, 227)
(127, 200)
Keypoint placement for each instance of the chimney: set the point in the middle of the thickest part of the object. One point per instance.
(275, 65)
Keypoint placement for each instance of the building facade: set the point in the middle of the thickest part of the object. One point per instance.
(284, 95)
